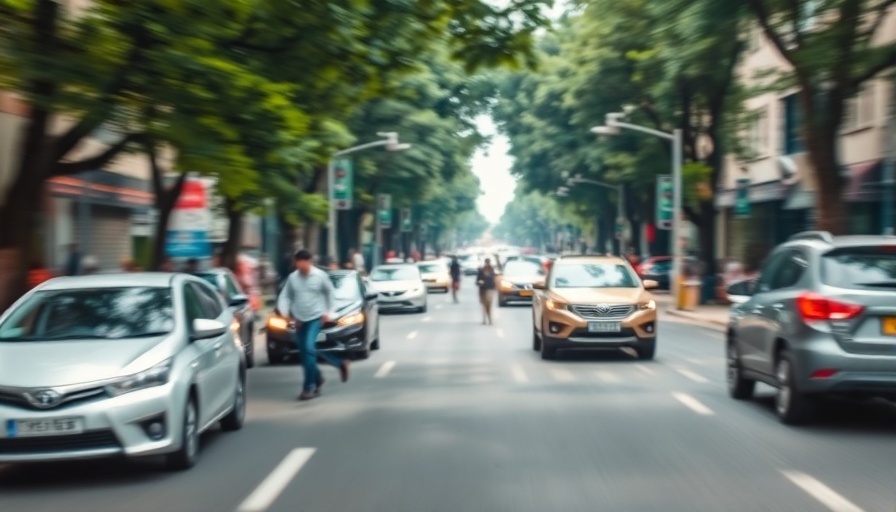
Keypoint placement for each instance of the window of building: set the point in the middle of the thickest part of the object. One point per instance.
(859, 110)
(757, 133)
(793, 120)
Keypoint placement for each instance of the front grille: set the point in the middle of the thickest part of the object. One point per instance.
(603, 312)
(391, 294)
(73, 398)
(94, 440)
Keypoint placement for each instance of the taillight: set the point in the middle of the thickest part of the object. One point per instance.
(817, 307)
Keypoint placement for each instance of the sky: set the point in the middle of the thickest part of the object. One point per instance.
(492, 163)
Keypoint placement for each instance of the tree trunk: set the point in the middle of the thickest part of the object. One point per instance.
(707, 233)
(231, 248)
(165, 199)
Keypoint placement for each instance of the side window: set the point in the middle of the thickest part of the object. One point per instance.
(231, 287)
(192, 305)
(208, 300)
(769, 269)
(790, 271)
(362, 287)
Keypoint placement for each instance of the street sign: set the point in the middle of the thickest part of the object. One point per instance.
(384, 210)
(406, 222)
(342, 184)
(742, 199)
(664, 208)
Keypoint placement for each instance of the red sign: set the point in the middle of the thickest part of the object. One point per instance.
(651, 233)
(192, 196)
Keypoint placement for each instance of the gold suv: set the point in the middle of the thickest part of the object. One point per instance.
(593, 302)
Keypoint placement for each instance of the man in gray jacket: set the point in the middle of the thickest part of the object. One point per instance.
(307, 299)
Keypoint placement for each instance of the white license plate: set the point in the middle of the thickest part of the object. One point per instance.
(47, 427)
(604, 326)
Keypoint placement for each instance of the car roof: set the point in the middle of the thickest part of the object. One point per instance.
(118, 280)
(590, 258)
(824, 240)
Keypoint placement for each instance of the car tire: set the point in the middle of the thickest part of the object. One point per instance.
(792, 407)
(647, 351)
(188, 453)
(275, 358)
(237, 416)
(424, 308)
(739, 387)
(548, 352)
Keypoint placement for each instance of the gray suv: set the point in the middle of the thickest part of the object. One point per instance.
(819, 320)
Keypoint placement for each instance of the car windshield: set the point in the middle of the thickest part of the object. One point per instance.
(209, 278)
(395, 274)
(345, 287)
(593, 275)
(100, 313)
(860, 267)
(522, 268)
(433, 268)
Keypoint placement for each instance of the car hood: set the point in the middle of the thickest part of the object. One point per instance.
(64, 363)
(523, 279)
(395, 286)
(600, 295)
(436, 275)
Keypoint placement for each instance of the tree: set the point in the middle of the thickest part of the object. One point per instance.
(832, 47)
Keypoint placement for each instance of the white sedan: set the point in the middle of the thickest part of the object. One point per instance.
(400, 287)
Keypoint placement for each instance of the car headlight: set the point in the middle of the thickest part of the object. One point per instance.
(506, 285)
(156, 376)
(351, 319)
(278, 323)
(554, 305)
(650, 304)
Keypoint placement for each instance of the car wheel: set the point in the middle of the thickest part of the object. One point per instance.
(275, 358)
(424, 308)
(646, 351)
(188, 453)
(793, 407)
(739, 387)
(536, 342)
(235, 418)
(375, 344)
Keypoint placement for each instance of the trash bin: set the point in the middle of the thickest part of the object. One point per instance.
(689, 294)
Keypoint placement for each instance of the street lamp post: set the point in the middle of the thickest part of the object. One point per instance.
(390, 141)
(620, 205)
(613, 124)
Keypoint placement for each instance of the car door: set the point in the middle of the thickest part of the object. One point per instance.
(776, 320)
(750, 328)
(371, 311)
(204, 357)
(226, 353)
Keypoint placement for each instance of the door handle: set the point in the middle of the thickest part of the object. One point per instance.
(218, 346)
(778, 307)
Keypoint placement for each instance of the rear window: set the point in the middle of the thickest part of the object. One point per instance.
(862, 267)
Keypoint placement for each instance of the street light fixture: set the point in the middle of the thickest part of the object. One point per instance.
(620, 205)
(391, 143)
(614, 122)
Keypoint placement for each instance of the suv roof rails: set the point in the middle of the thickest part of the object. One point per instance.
(822, 236)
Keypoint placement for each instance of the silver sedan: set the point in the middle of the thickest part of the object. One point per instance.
(134, 365)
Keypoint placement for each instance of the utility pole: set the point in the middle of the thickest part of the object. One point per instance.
(889, 164)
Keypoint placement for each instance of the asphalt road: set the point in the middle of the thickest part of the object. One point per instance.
(454, 416)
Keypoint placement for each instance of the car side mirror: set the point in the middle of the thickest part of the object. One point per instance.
(204, 328)
(740, 292)
(650, 284)
(238, 301)
(539, 285)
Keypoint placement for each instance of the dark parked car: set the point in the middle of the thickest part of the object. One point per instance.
(658, 269)
(355, 330)
(227, 285)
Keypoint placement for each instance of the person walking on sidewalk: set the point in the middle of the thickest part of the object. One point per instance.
(307, 299)
(486, 281)
(455, 277)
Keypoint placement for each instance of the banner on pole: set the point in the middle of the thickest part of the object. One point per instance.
(343, 177)
(664, 208)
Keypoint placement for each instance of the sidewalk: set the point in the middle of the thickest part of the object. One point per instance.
(712, 316)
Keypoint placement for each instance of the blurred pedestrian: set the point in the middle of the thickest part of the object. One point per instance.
(192, 266)
(91, 265)
(307, 300)
(167, 265)
(73, 265)
(129, 265)
(486, 280)
(358, 262)
(455, 270)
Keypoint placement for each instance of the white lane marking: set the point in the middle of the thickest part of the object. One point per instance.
(439, 306)
(384, 370)
(821, 492)
(481, 360)
(500, 333)
(562, 375)
(646, 369)
(519, 374)
(270, 489)
(428, 319)
(606, 376)
(696, 377)
(412, 335)
(693, 404)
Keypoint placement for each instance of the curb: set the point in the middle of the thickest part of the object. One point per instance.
(695, 317)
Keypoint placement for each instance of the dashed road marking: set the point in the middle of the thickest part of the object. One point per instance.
(696, 377)
(270, 489)
(427, 319)
(412, 335)
(646, 369)
(606, 376)
(562, 375)
(693, 404)
(519, 374)
(385, 369)
(821, 492)
(440, 306)
(500, 333)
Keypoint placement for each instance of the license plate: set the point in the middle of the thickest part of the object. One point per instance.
(888, 326)
(47, 427)
(604, 327)
(526, 293)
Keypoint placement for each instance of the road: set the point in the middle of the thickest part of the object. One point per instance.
(454, 416)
